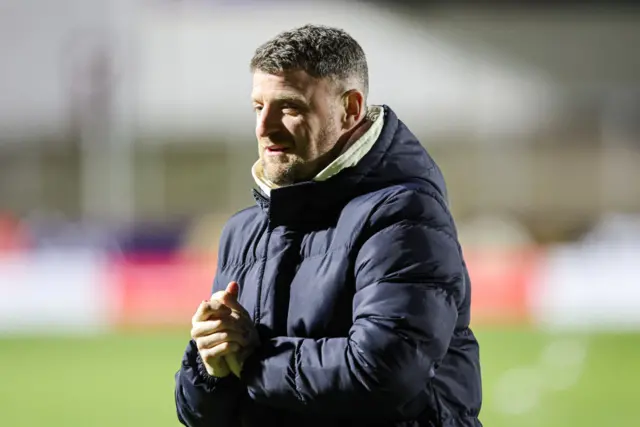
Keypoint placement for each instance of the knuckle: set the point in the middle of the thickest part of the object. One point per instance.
(221, 325)
(210, 354)
(199, 345)
(214, 352)
(216, 302)
(204, 354)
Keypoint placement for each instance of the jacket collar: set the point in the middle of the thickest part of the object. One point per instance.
(349, 157)
(318, 202)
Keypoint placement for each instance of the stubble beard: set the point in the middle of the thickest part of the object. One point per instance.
(281, 174)
(296, 169)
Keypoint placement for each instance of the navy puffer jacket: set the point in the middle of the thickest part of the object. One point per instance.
(361, 297)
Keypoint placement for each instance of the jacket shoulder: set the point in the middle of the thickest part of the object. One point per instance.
(410, 202)
(239, 229)
(243, 217)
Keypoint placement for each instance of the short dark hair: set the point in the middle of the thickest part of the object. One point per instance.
(321, 51)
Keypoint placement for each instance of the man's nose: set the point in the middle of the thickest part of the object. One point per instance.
(267, 122)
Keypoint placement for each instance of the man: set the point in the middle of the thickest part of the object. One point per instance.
(342, 298)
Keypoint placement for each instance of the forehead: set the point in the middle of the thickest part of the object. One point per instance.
(293, 85)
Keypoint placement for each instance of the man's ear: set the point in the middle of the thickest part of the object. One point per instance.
(353, 108)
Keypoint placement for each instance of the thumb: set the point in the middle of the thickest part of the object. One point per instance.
(232, 291)
(230, 297)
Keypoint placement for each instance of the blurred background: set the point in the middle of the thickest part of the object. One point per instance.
(126, 141)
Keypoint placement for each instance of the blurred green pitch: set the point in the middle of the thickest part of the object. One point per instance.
(126, 379)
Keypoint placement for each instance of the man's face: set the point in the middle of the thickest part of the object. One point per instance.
(298, 123)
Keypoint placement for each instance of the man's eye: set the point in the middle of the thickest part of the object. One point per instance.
(291, 110)
(257, 108)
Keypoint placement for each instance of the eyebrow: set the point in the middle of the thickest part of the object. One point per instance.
(285, 98)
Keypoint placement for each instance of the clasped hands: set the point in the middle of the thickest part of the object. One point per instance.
(224, 333)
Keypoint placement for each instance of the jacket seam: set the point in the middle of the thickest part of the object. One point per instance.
(257, 310)
(249, 263)
(296, 370)
(406, 223)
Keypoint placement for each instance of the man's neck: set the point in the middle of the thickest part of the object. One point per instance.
(355, 134)
(345, 141)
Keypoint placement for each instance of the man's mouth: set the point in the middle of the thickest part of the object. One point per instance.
(276, 149)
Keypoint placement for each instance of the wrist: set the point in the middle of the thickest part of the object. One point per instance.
(203, 371)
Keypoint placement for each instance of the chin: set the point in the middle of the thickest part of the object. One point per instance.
(279, 176)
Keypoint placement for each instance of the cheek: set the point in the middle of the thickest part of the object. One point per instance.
(297, 129)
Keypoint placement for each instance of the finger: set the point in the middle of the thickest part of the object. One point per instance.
(233, 363)
(199, 315)
(231, 293)
(201, 329)
(217, 296)
(210, 341)
(206, 327)
(230, 299)
(236, 307)
(216, 308)
(210, 354)
(205, 312)
(233, 289)
(218, 299)
(221, 367)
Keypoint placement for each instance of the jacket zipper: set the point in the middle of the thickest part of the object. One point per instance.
(257, 311)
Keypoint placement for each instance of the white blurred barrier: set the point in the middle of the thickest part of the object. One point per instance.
(589, 287)
(52, 292)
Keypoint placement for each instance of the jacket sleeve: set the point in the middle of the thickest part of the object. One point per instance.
(203, 400)
(408, 276)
